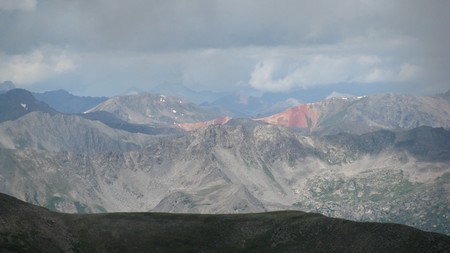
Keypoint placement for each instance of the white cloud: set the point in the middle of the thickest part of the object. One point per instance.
(379, 75)
(22, 5)
(318, 69)
(404, 73)
(263, 77)
(41, 64)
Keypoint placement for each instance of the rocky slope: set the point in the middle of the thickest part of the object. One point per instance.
(391, 176)
(112, 121)
(58, 132)
(202, 124)
(153, 109)
(27, 228)
(366, 114)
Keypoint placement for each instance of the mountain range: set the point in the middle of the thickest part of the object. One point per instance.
(366, 114)
(377, 158)
(380, 176)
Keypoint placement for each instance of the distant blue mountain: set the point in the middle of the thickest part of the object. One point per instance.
(6, 86)
(65, 102)
(17, 102)
(245, 105)
(181, 91)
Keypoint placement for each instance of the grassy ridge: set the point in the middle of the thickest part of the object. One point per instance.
(28, 228)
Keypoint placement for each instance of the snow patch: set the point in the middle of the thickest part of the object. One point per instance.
(24, 106)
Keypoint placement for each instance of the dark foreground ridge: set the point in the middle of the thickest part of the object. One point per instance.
(28, 228)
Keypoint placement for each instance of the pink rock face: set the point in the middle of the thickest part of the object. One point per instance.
(302, 116)
(194, 126)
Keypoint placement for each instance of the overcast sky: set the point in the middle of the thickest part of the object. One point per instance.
(104, 47)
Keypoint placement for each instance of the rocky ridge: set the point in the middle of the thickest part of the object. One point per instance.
(234, 169)
(153, 109)
(359, 115)
(56, 132)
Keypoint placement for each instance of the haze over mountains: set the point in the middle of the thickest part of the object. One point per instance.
(375, 158)
(65, 102)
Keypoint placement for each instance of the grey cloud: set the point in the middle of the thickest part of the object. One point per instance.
(17, 5)
(178, 25)
(212, 44)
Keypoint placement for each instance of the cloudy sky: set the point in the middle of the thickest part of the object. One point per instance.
(104, 47)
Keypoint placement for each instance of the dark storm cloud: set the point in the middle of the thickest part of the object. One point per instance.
(172, 25)
(270, 45)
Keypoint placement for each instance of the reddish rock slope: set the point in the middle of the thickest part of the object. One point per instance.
(303, 116)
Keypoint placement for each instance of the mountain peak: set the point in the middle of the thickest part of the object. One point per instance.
(20, 95)
(18, 102)
(153, 109)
